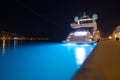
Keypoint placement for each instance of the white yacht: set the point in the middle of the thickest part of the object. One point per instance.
(85, 30)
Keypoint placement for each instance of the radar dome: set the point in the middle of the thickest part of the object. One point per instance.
(76, 19)
(95, 16)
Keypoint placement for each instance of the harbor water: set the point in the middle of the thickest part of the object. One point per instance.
(31, 60)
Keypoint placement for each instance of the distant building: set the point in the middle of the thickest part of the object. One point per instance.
(9, 36)
(116, 33)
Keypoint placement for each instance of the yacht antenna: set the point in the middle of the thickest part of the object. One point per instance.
(84, 13)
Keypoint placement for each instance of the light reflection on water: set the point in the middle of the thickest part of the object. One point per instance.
(81, 51)
(6, 43)
(41, 61)
(3, 47)
(80, 55)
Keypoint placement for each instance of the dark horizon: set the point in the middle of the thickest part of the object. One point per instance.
(52, 18)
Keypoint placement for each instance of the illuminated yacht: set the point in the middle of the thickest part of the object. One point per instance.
(85, 30)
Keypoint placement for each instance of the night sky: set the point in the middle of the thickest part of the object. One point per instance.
(52, 18)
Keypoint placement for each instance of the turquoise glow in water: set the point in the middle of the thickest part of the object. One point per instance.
(41, 61)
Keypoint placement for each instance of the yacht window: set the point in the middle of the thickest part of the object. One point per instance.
(86, 21)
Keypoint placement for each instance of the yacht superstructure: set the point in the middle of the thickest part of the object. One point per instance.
(85, 30)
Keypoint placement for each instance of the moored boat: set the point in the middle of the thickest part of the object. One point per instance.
(85, 30)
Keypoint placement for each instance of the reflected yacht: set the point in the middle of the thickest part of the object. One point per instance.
(85, 30)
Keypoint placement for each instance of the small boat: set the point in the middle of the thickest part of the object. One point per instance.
(85, 30)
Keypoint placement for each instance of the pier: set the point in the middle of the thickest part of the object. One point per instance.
(103, 63)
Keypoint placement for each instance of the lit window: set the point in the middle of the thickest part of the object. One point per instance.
(80, 33)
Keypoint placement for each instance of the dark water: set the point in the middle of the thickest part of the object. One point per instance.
(26, 60)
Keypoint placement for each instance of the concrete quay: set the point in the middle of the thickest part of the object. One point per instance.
(103, 63)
